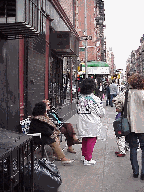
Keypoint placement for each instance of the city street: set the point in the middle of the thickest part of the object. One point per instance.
(110, 174)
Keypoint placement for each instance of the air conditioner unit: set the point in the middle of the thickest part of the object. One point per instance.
(64, 43)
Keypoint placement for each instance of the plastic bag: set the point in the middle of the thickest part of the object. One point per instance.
(46, 175)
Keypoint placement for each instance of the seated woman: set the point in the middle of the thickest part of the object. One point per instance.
(41, 123)
(65, 128)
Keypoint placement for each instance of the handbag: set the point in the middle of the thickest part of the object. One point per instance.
(121, 125)
(46, 175)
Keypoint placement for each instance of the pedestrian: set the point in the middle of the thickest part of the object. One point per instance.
(41, 123)
(119, 104)
(113, 91)
(108, 94)
(101, 91)
(90, 110)
(136, 121)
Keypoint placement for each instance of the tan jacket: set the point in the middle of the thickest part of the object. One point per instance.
(136, 110)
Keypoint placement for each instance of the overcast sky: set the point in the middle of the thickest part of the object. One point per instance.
(124, 21)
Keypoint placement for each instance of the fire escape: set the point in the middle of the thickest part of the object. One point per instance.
(21, 18)
(100, 41)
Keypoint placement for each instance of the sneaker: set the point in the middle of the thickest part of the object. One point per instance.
(82, 158)
(91, 162)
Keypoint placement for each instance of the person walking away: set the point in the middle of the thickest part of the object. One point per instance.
(108, 94)
(136, 120)
(90, 110)
(101, 91)
(113, 91)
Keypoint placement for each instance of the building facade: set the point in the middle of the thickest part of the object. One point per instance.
(136, 63)
(38, 49)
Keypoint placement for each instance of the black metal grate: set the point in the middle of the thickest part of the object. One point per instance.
(14, 157)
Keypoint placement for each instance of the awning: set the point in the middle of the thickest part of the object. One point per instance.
(96, 64)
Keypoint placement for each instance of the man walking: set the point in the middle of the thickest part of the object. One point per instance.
(113, 91)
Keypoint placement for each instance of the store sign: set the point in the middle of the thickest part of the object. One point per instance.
(97, 70)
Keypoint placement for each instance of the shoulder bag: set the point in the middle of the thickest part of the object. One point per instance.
(121, 125)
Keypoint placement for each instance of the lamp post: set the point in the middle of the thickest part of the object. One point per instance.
(86, 72)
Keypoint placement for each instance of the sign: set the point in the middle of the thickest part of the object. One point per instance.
(81, 49)
(97, 70)
(85, 38)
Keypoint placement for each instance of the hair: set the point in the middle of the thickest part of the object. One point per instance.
(88, 86)
(39, 109)
(136, 81)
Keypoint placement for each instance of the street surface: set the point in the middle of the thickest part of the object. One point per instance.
(109, 174)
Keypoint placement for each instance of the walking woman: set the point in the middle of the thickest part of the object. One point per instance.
(90, 110)
(136, 120)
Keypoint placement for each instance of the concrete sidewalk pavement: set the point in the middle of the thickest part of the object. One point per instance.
(109, 174)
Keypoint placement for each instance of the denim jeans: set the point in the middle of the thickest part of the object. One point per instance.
(112, 96)
(108, 100)
(133, 144)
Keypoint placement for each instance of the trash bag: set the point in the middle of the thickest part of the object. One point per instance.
(46, 176)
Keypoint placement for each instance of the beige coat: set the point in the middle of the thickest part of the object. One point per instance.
(136, 110)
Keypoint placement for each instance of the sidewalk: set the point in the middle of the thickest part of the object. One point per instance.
(110, 174)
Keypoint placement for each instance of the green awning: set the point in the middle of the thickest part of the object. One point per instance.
(96, 64)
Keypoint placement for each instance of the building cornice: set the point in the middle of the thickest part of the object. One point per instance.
(64, 16)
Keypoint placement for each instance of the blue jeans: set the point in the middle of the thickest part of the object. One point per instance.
(112, 96)
(133, 144)
(108, 100)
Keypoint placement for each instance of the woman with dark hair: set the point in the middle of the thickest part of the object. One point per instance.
(65, 128)
(136, 120)
(42, 124)
(90, 110)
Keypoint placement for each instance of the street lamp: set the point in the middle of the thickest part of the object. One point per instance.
(86, 72)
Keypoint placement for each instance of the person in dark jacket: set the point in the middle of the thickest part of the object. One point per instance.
(41, 123)
(108, 94)
(65, 128)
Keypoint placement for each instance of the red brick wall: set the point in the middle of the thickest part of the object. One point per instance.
(67, 5)
(90, 27)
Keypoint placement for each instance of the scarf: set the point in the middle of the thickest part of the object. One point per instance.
(45, 119)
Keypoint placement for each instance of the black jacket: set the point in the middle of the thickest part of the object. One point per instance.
(45, 129)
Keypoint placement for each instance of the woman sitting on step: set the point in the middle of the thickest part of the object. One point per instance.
(65, 128)
(41, 123)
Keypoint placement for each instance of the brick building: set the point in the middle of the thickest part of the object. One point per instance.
(35, 38)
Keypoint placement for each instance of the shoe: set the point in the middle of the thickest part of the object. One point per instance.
(135, 175)
(71, 151)
(111, 106)
(54, 158)
(67, 162)
(117, 152)
(82, 158)
(77, 141)
(120, 155)
(142, 177)
(91, 162)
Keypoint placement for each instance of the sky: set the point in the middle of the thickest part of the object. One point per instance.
(124, 20)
